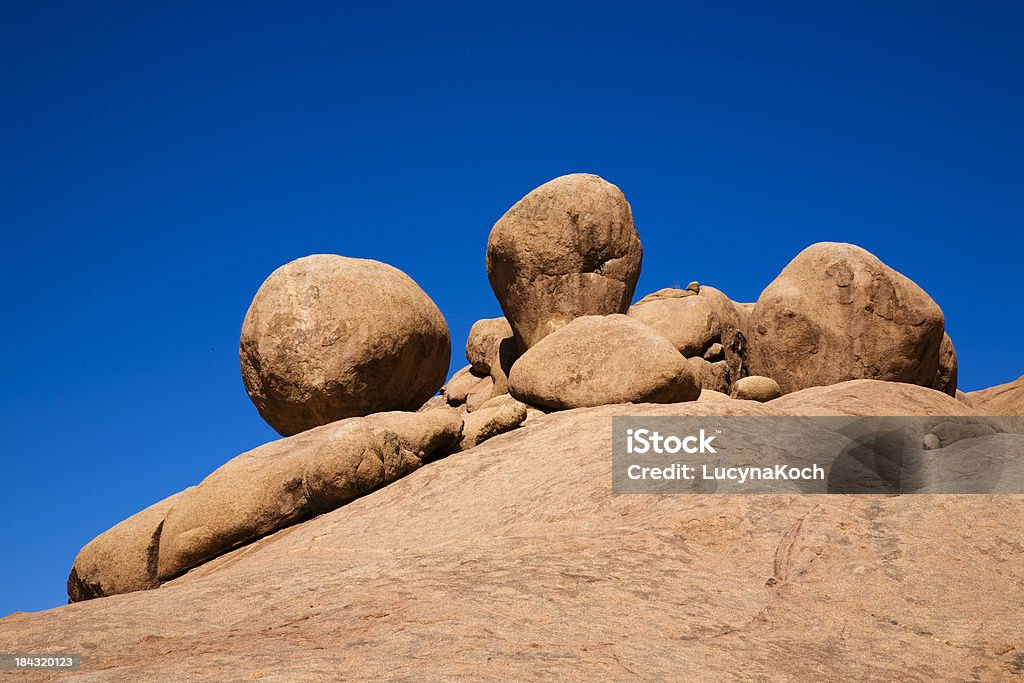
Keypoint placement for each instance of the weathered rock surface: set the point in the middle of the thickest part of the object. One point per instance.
(597, 360)
(837, 313)
(565, 250)
(256, 493)
(1003, 399)
(472, 567)
(461, 385)
(123, 558)
(711, 376)
(483, 344)
(329, 337)
(756, 388)
(871, 397)
(692, 320)
(946, 375)
(497, 416)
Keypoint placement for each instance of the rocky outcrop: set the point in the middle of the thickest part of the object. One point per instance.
(837, 313)
(259, 492)
(565, 250)
(597, 360)
(504, 545)
(329, 337)
(871, 397)
(1004, 399)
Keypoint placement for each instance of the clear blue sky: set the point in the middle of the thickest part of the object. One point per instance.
(157, 165)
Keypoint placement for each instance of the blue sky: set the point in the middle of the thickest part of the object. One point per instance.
(158, 164)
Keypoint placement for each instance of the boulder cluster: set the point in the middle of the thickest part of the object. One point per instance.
(347, 358)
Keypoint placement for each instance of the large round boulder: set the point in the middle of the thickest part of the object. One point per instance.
(329, 337)
(597, 360)
(837, 313)
(565, 250)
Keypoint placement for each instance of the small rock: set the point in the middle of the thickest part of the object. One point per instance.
(667, 293)
(931, 442)
(462, 383)
(483, 341)
(756, 388)
(714, 376)
(715, 352)
(694, 287)
(481, 393)
(499, 415)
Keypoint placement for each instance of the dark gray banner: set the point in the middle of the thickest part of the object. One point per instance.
(885, 455)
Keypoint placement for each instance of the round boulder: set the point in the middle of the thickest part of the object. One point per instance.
(837, 313)
(329, 337)
(755, 388)
(597, 360)
(567, 249)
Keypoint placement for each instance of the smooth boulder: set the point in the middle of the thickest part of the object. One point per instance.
(329, 337)
(756, 388)
(837, 313)
(567, 249)
(123, 558)
(597, 360)
(290, 480)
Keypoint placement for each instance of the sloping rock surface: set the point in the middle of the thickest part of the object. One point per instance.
(513, 561)
(1003, 399)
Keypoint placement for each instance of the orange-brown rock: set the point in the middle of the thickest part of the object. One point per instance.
(565, 250)
(329, 337)
(1003, 399)
(514, 561)
(597, 360)
(837, 313)
(871, 397)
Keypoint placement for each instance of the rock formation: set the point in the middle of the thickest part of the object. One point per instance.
(837, 313)
(487, 515)
(565, 250)
(500, 547)
(596, 360)
(329, 337)
(1004, 399)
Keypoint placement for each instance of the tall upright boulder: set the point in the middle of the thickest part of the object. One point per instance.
(567, 249)
(329, 337)
(837, 313)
